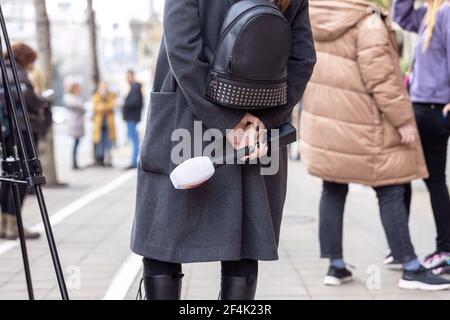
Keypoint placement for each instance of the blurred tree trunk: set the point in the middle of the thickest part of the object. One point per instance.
(93, 55)
(43, 36)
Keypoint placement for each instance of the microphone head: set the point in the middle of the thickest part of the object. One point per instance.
(192, 173)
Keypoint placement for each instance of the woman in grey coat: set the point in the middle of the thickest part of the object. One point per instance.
(75, 103)
(235, 218)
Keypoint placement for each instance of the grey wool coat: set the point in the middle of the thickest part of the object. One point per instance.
(237, 214)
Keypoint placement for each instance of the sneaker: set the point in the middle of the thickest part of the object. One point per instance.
(436, 260)
(391, 263)
(443, 269)
(423, 279)
(337, 277)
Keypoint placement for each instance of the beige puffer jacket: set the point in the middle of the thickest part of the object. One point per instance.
(356, 100)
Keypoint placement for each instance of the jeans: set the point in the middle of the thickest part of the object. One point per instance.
(76, 144)
(103, 149)
(134, 138)
(394, 216)
(434, 138)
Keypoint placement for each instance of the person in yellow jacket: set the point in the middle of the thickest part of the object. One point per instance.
(104, 136)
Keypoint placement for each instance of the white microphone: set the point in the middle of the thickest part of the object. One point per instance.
(197, 171)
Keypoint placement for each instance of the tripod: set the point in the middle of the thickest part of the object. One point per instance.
(20, 165)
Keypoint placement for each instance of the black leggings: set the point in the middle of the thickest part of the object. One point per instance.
(434, 138)
(242, 268)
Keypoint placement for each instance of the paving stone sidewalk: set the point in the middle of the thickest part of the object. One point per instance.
(299, 273)
(94, 243)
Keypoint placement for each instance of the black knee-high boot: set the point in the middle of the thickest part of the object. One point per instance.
(163, 287)
(162, 280)
(238, 288)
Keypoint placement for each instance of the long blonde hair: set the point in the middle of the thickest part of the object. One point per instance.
(283, 4)
(430, 20)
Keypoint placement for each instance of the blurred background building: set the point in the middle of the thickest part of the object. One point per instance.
(127, 37)
(64, 33)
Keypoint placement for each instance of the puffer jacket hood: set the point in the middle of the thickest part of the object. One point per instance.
(331, 19)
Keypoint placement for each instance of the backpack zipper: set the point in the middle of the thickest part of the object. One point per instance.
(215, 76)
(230, 65)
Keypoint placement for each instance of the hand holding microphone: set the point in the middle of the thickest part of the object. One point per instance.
(249, 132)
(196, 171)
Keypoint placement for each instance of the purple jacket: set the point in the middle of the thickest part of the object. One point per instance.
(431, 70)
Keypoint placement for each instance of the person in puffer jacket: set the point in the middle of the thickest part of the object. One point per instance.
(358, 127)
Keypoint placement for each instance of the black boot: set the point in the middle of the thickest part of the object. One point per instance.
(238, 288)
(166, 287)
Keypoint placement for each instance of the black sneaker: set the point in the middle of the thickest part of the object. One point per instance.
(423, 279)
(337, 277)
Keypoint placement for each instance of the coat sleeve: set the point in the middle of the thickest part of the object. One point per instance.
(381, 78)
(110, 103)
(184, 45)
(97, 104)
(300, 68)
(35, 104)
(74, 106)
(407, 16)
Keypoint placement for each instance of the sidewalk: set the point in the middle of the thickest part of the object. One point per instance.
(299, 273)
(93, 241)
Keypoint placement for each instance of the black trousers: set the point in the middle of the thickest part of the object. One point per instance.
(6, 195)
(6, 199)
(434, 138)
(243, 268)
(76, 144)
(394, 216)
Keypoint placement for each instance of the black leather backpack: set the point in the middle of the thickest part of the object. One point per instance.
(249, 70)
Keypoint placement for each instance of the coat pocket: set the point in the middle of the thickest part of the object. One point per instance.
(157, 145)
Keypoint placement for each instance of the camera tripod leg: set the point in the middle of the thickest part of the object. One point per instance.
(22, 238)
(51, 243)
(28, 152)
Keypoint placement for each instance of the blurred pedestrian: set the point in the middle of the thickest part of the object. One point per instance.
(75, 103)
(104, 104)
(358, 127)
(132, 112)
(430, 94)
(25, 58)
